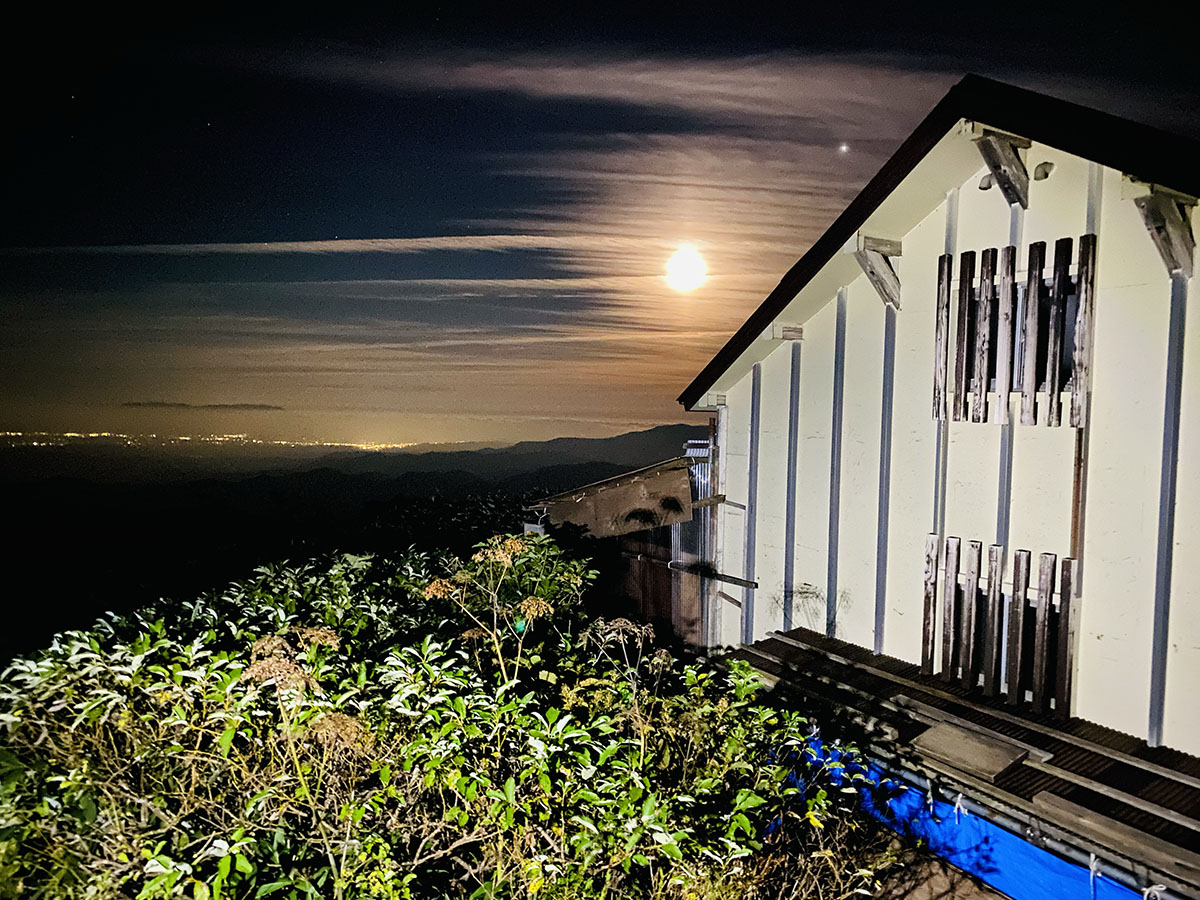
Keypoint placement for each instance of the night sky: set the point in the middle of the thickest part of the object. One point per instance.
(328, 224)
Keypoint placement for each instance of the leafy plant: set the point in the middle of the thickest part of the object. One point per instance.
(407, 728)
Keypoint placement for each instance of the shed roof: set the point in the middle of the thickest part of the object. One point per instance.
(1149, 154)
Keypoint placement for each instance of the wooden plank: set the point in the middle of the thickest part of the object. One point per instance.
(962, 337)
(1016, 626)
(1081, 379)
(881, 275)
(927, 624)
(1068, 614)
(800, 639)
(1041, 629)
(1054, 335)
(1029, 331)
(886, 246)
(968, 751)
(950, 611)
(942, 336)
(1006, 167)
(980, 377)
(993, 622)
(1132, 842)
(1006, 304)
(966, 641)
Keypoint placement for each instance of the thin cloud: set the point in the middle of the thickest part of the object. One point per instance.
(166, 404)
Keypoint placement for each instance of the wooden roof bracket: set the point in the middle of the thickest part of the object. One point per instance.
(1000, 151)
(874, 255)
(1167, 216)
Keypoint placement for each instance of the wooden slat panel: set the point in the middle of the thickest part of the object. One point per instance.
(962, 337)
(1054, 336)
(1006, 301)
(1081, 381)
(1041, 628)
(1016, 625)
(966, 640)
(950, 611)
(1029, 331)
(1068, 607)
(993, 620)
(981, 376)
(942, 336)
(927, 625)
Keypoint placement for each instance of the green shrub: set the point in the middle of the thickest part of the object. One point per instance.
(370, 728)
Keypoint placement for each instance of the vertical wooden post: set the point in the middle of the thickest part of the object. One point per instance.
(993, 620)
(966, 639)
(1054, 335)
(1029, 331)
(1005, 305)
(980, 377)
(962, 337)
(950, 611)
(942, 336)
(1081, 381)
(930, 616)
(1016, 625)
(1041, 629)
(1068, 608)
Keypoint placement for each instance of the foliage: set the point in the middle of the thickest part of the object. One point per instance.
(411, 728)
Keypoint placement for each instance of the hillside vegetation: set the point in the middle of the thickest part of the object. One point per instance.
(413, 727)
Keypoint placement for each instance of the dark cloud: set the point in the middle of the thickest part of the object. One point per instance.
(164, 404)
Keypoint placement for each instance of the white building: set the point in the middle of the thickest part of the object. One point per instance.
(892, 399)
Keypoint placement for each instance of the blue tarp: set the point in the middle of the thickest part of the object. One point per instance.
(991, 853)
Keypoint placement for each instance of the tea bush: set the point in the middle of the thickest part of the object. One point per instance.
(407, 728)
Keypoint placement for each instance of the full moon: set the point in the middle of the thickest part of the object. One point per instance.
(686, 269)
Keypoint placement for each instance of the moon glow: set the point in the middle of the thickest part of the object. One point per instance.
(686, 269)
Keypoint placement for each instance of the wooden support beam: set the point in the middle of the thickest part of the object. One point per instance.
(1064, 661)
(930, 617)
(981, 376)
(1005, 164)
(1041, 629)
(993, 623)
(962, 337)
(942, 336)
(950, 611)
(1054, 336)
(1081, 379)
(966, 641)
(1016, 625)
(1029, 331)
(882, 276)
(782, 332)
(1166, 217)
(1006, 304)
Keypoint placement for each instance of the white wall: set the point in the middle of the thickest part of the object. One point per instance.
(914, 437)
(1117, 600)
(859, 507)
(1181, 726)
(733, 535)
(812, 476)
(772, 489)
(1121, 527)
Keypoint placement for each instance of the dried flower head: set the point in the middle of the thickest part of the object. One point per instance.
(660, 662)
(474, 634)
(534, 608)
(439, 588)
(338, 731)
(271, 645)
(284, 672)
(603, 632)
(313, 637)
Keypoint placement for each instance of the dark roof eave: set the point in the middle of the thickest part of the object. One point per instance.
(1149, 153)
